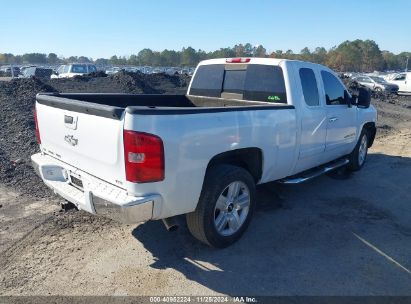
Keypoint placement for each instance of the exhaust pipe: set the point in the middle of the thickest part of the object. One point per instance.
(67, 206)
(170, 223)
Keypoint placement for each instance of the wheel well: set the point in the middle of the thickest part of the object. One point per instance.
(250, 159)
(372, 130)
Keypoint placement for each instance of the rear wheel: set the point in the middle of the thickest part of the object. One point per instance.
(225, 207)
(358, 156)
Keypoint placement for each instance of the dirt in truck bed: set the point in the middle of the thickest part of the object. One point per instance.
(123, 82)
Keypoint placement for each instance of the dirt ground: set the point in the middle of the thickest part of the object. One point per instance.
(335, 235)
(326, 237)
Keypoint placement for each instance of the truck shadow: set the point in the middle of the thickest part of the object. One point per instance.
(300, 238)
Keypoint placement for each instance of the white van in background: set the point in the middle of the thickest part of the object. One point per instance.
(75, 69)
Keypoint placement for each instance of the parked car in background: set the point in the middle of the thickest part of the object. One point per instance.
(402, 80)
(377, 84)
(11, 71)
(184, 71)
(173, 71)
(23, 68)
(140, 69)
(75, 69)
(36, 72)
(146, 69)
(158, 70)
(113, 70)
(3, 72)
(131, 69)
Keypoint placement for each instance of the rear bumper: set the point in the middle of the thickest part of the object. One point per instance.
(96, 196)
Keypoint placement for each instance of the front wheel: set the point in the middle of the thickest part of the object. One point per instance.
(225, 207)
(358, 156)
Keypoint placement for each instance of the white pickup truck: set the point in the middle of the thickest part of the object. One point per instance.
(402, 80)
(244, 121)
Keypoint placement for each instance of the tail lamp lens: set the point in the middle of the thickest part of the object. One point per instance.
(144, 157)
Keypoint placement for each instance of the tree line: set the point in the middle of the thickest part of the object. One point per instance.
(357, 56)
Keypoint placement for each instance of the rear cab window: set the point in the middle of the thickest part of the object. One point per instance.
(309, 86)
(208, 81)
(252, 82)
(234, 81)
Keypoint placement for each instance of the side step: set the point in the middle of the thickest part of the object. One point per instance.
(312, 173)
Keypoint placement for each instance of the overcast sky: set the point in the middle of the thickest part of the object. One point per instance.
(124, 27)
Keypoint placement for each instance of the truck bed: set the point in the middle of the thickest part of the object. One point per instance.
(113, 105)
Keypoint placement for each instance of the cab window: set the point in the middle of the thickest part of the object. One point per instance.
(255, 82)
(79, 68)
(265, 83)
(400, 77)
(234, 81)
(208, 80)
(334, 90)
(310, 88)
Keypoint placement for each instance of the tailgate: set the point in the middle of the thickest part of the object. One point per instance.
(91, 143)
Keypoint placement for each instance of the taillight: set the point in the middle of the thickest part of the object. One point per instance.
(144, 157)
(37, 127)
(237, 60)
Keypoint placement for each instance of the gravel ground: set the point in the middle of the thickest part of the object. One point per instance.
(335, 235)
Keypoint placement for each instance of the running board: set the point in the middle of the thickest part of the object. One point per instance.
(310, 174)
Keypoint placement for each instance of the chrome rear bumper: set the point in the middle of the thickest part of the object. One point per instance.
(140, 210)
(97, 196)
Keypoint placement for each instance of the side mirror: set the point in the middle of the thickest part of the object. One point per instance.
(363, 97)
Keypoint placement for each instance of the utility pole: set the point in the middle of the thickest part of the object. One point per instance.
(406, 65)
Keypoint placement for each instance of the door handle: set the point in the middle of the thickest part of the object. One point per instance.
(333, 119)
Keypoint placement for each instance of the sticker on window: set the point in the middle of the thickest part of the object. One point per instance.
(274, 98)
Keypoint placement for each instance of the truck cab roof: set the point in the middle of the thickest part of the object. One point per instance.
(255, 60)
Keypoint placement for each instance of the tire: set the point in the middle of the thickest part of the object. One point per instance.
(358, 156)
(218, 220)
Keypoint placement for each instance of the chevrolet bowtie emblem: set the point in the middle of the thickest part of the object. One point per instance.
(71, 140)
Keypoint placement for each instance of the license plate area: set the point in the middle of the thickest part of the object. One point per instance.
(76, 182)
